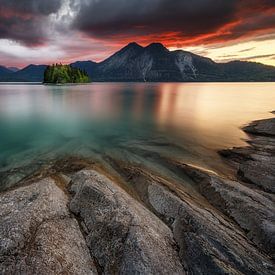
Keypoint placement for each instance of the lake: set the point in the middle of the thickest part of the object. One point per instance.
(134, 122)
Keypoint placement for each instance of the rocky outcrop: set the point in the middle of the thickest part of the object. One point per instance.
(256, 163)
(264, 127)
(209, 241)
(157, 227)
(38, 234)
(124, 236)
(252, 210)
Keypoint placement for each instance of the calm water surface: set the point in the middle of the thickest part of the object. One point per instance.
(132, 122)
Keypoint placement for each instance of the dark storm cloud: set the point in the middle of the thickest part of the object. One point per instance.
(209, 21)
(26, 20)
(36, 7)
(109, 17)
(176, 23)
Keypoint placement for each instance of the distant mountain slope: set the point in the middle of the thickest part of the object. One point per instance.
(88, 66)
(248, 71)
(157, 64)
(13, 69)
(4, 70)
(4, 73)
(31, 73)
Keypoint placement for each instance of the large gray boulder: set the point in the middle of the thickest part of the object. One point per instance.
(122, 234)
(38, 235)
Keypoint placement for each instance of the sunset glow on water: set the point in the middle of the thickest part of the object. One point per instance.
(189, 122)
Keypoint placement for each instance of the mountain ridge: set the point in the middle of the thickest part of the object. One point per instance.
(155, 63)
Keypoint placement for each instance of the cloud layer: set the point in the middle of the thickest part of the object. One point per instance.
(177, 21)
(107, 18)
(113, 23)
(26, 21)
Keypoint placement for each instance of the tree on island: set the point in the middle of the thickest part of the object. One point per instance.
(61, 74)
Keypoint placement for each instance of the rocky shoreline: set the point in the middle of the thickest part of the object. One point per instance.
(74, 218)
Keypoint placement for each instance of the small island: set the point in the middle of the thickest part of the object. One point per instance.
(64, 74)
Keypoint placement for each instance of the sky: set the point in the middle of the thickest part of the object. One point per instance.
(45, 32)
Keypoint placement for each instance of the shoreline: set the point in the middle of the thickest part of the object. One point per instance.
(142, 82)
(255, 163)
(65, 84)
(125, 219)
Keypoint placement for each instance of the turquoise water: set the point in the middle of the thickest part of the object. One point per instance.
(132, 122)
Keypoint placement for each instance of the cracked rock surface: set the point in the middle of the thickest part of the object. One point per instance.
(38, 234)
(253, 210)
(209, 242)
(256, 163)
(124, 236)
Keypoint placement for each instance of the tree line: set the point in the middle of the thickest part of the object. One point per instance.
(61, 74)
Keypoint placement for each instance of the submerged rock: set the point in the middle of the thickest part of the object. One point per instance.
(13, 177)
(122, 234)
(38, 234)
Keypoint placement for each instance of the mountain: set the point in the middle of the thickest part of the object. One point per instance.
(248, 71)
(31, 73)
(122, 65)
(4, 73)
(157, 64)
(13, 69)
(4, 70)
(87, 66)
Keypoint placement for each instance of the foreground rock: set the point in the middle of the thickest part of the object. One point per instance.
(253, 210)
(256, 163)
(38, 234)
(122, 234)
(209, 242)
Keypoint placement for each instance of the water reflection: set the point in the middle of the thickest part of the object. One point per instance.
(213, 113)
(193, 119)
